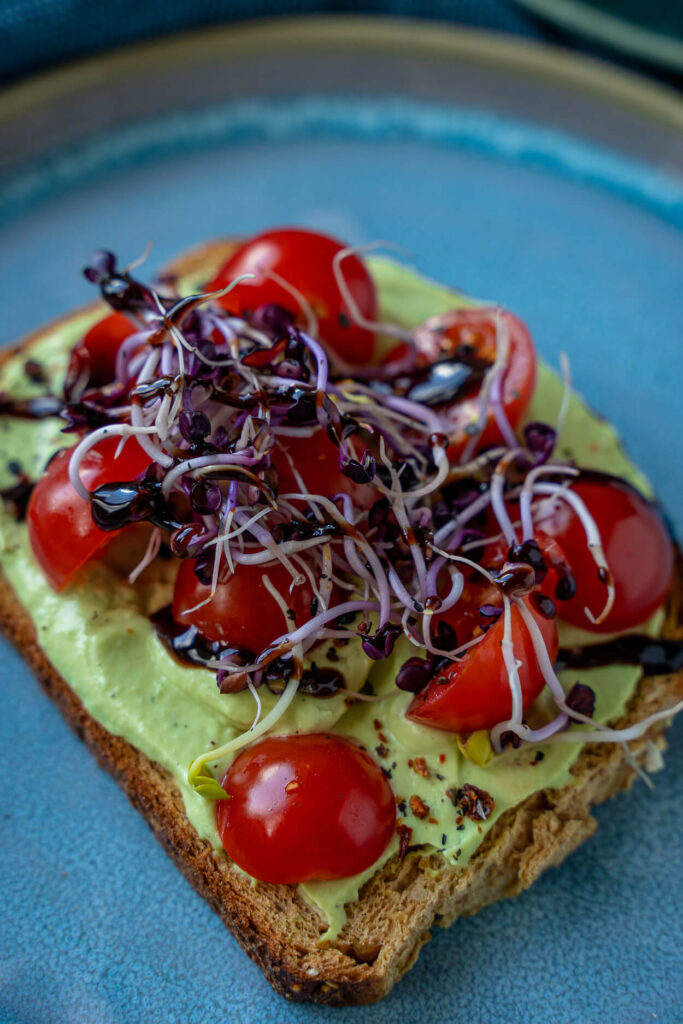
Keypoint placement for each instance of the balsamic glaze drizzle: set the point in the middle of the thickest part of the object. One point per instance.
(655, 656)
(37, 408)
(189, 647)
(186, 643)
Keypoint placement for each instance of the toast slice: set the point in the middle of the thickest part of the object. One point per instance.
(386, 927)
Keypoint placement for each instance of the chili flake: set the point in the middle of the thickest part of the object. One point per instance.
(419, 766)
(405, 833)
(417, 805)
(474, 803)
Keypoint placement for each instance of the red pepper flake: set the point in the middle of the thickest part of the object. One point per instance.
(405, 834)
(382, 738)
(419, 808)
(433, 821)
(410, 762)
(377, 724)
(442, 758)
(419, 765)
(291, 786)
(475, 804)
(382, 750)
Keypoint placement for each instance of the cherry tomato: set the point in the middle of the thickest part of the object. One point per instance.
(302, 807)
(317, 460)
(473, 332)
(637, 548)
(60, 527)
(304, 260)
(242, 611)
(475, 693)
(95, 355)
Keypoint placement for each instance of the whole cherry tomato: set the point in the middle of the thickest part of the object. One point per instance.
(474, 693)
(95, 356)
(60, 527)
(304, 260)
(242, 611)
(302, 807)
(637, 547)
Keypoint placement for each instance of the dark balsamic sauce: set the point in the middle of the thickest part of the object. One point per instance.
(189, 647)
(186, 643)
(39, 408)
(655, 656)
(16, 496)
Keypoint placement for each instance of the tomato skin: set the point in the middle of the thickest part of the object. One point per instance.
(242, 611)
(317, 460)
(637, 548)
(96, 354)
(61, 531)
(304, 259)
(303, 807)
(477, 693)
(441, 336)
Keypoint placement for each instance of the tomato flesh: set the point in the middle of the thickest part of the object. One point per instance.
(242, 611)
(637, 548)
(475, 692)
(95, 356)
(303, 259)
(62, 533)
(303, 807)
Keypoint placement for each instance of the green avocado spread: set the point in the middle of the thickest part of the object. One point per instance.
(98, 635)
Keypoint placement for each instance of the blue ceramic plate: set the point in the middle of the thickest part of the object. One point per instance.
(500, 193)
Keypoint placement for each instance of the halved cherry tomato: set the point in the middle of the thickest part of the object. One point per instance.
(473, 331)
(302, 807)
(95, 355)
(474, 693)
(637, 548)
(317, 460)
(60, 527)
(303, 259)
(242, 611)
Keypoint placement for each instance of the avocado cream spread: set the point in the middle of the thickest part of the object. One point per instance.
(98, 635)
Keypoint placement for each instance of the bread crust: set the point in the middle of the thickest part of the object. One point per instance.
(391, 921)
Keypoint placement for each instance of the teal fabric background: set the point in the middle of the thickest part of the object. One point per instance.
(35, 33)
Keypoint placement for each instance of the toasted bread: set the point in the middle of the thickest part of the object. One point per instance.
(386, 927)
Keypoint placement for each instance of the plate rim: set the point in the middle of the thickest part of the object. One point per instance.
(416, 37)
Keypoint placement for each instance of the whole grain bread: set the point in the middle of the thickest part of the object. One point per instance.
(391, 921)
